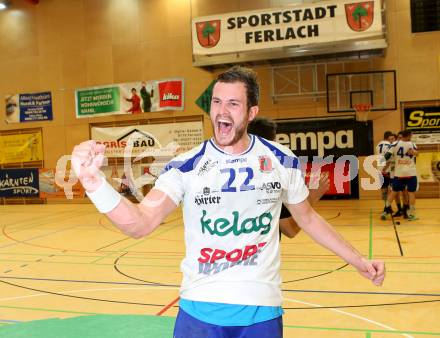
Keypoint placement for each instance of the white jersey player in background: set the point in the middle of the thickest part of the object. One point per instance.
(403, 153)
(381, 148)
(231, 188)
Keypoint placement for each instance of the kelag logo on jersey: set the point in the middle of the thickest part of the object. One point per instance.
(205, 198)
(223, 226)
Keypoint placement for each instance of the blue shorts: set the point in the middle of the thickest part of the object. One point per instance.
(189, 327)
(386, 181)
(410, 183)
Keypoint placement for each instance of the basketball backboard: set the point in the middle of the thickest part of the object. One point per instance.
(377, 88)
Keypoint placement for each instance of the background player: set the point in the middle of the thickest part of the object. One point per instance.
(404, 153)
(244, 181)
(381, 148)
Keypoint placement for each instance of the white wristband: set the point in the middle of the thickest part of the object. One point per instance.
(105, 198)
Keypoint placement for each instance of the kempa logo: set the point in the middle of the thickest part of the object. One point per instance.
(321, 141)
(223, 226)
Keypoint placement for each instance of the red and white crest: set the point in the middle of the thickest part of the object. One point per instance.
(265, 163)
(208, 33)
(360, 15)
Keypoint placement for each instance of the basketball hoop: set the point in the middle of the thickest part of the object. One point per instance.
(362, 110)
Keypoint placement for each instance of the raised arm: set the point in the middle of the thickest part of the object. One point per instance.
(323, 233)
(134, 220)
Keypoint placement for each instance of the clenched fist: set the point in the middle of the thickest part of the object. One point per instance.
(87, 159)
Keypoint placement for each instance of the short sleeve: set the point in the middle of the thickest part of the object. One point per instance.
(170, 182)
(296, 191)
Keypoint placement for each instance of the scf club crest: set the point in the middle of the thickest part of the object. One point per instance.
(265, 163)
(208, 33)
(360, 15)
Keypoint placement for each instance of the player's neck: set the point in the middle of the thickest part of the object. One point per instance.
(238, 147)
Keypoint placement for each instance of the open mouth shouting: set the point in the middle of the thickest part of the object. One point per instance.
(224, 126)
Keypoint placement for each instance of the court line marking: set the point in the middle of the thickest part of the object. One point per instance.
(50, 310)
(360, 330)
(9, 321)
(286, 290)
(349, 314)
(66, 292)
(137, 242)
(161, 312)
(25, 241)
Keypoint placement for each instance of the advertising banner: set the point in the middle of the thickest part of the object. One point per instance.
(323, 137)
(424, 122)
(49, 189)
(428, 167)
(28, 107)
(19, 148)
(157, 140)
(292, 25)
(19, 182)
(130, 98)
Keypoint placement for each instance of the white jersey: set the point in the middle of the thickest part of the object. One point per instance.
(404, 163)
(231, 208)
(381, 149)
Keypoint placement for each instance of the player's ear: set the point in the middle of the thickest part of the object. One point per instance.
(253, 111)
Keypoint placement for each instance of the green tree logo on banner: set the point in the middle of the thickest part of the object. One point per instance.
(360, 15)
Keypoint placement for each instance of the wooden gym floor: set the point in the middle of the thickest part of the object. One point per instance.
(61, 263)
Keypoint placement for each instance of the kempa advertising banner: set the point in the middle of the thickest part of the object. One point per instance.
(322, 137)
(19, 183)
(424, 122)
(319, 138)
(28, 107)
(157, 140)
(294, 25)
(21, 148)
(130, 98)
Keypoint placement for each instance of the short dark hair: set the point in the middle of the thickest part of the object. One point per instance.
(246, 76)
(133, 89)
(387, 134)
(406, 133)
(263, 127)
